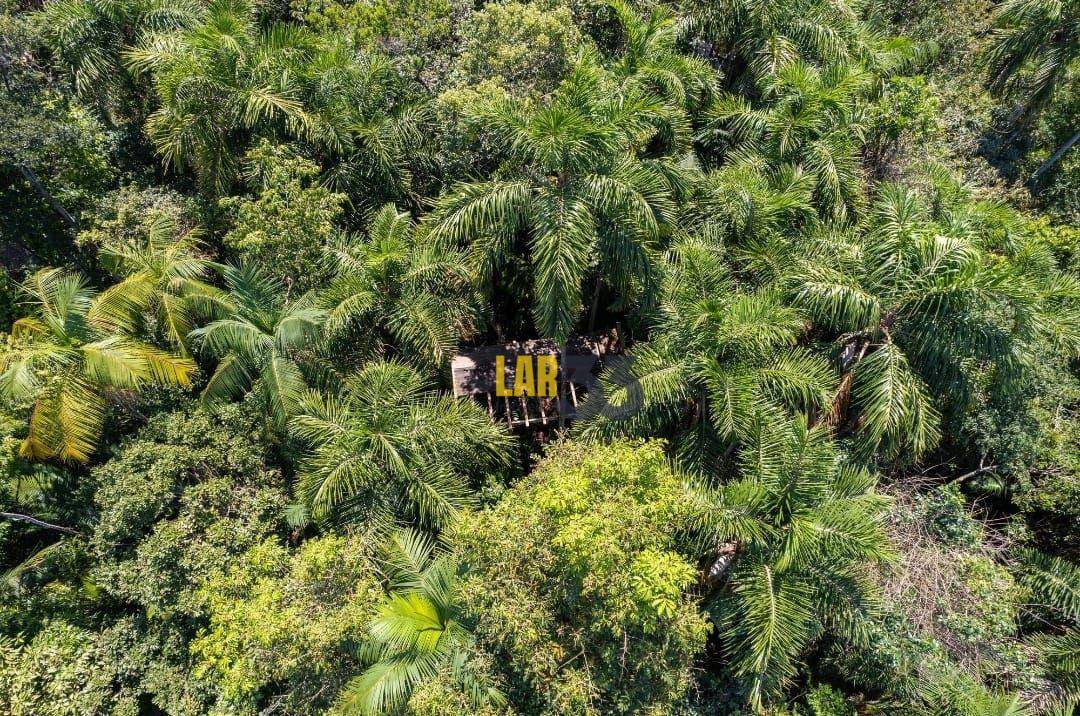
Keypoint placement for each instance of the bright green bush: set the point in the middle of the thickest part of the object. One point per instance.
(525, 47)
(292, 218)
(824, 700)
(283, 620)
(578, 586)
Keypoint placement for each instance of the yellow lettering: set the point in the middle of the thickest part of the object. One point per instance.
(547, 368)
(500, 377)
(524, 382)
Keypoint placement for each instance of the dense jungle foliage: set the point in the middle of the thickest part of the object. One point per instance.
(838, 469)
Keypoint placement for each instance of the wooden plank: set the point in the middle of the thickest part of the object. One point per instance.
(462, 369)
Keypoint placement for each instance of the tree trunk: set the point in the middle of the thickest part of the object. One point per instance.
(33, 180)
(838, 409)
(1055, 157)
(595, 304)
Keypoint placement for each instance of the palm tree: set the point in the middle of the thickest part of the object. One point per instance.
(220, 79)
(387, 449)
(1033, 45)
(575, 187)
(916, 302)
(163, 278)
(797, 532)
(226, 78)
(971, 699)
(90, 37)
(650, 57)
(393, 291)
(376, 134)
(69, 366)
(1058, 654)
(754, 38)
(1054, 586)
(417, 635)
(261, 338)
(945, 689)
(808, 118)
(717, 355)
(25, 489)
(650, 62)
(753, 210)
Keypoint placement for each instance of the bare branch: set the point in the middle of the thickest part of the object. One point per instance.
(15, 516)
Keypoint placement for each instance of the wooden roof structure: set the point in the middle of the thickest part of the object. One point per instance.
(474, 377)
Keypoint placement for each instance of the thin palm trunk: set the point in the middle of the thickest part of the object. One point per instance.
(838, 410)
(1055, 157)
(595, 304)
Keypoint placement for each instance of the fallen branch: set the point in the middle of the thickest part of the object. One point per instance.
(33, 180)
(973, 473)
(15, 516)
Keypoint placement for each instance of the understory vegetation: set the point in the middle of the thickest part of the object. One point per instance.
(835, 471)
